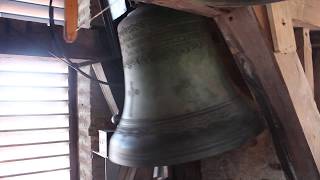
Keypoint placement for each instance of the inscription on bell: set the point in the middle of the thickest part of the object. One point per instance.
(164, 53)
(157, 47)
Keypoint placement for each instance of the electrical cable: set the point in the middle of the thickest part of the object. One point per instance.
(65, 59)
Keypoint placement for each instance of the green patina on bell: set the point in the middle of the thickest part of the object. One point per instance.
(179, 104)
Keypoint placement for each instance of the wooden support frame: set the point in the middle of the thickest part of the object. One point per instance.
(304, 13)
(276, 82)
(300, 87)
(196, 7)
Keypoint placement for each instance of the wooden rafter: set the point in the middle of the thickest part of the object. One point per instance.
(305, 13)
(197, 7)
(281, 27)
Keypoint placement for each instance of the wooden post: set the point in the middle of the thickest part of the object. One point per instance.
(71, 20)
(279, 85)
(298, 86)
(281, 28)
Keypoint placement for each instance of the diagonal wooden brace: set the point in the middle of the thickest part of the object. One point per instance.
(278, 82)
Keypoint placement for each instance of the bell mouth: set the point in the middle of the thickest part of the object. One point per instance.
(139, 147)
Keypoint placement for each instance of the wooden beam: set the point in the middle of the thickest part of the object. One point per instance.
(299, 88)
(262, 17)
(304, 51)
(98, 70)
(281, 27)
(71, 20)
(305, 13)
(27, 38)
(197, 7)
(286, 40)
(280, 86)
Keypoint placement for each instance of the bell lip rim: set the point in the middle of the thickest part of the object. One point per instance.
(189, 157)
(242, 128)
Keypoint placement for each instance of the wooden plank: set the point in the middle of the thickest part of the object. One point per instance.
(205, 8)
(197, 7)
(98, 70)
(300, 90)
(28, 63)
(35, 165)
(283, 35)
(71, 20)
(33, 108)
(33, 151)
(33, 94)
(302, 99)
(287, 97)
(53, 175)
(55, 3)
(305, 13)
(31, 64)
(33, 122)
(33, 137)
(33, 79)
(29, 12)
(304, 51)
(262, 17)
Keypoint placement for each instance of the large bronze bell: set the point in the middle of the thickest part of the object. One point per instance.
(179, 104)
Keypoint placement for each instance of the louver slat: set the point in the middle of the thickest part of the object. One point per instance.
(37, 11)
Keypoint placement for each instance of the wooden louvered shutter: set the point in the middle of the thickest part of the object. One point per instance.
(37, 11)
(34, 119)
